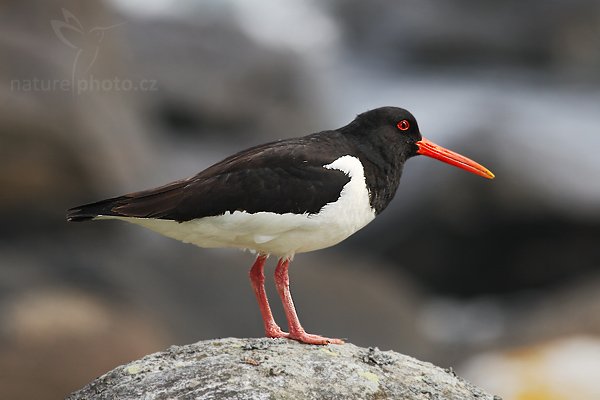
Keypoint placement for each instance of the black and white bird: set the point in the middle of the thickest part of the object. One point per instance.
(285, 197)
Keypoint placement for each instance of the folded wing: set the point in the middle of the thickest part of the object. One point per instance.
(281, 177)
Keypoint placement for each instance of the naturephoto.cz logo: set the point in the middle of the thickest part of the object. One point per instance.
(86, 45)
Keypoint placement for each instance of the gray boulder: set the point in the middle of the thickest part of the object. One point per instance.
(278, 369)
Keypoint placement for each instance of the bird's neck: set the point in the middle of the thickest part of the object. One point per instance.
(383, 178)
(382, 163)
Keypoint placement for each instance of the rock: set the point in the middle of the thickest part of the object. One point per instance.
(278, 368)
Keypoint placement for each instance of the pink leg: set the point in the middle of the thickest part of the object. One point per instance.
(257, 278)
(282, 282)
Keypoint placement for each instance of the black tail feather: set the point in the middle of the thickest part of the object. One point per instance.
(153, 203)
(90, 211)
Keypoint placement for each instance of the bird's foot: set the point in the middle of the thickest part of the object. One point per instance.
(275, 332)
(308, 338)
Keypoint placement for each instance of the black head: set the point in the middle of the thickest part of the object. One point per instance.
(393, 119)
(392, 131)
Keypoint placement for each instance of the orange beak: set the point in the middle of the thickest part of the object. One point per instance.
(430, 149)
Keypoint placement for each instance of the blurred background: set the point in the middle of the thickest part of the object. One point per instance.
(498, 279)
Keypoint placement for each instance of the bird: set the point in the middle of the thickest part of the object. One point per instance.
(286, 197)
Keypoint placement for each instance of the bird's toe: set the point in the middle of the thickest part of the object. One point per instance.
(309, 338)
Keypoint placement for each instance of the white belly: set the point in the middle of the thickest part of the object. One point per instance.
(278, 234)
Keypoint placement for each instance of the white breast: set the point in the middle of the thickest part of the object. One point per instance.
(278, 234)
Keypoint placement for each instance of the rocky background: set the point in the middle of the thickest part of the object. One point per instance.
(499, 280)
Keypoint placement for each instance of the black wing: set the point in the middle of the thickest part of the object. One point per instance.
(280, 177)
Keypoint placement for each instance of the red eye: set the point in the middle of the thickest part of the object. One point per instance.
(403, 125)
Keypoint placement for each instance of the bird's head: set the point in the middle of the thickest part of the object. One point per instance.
(396, 130)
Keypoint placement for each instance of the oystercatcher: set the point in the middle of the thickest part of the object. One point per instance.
(285, 197)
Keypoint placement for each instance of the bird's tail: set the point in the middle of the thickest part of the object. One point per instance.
(90, 211)
(154, 203)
